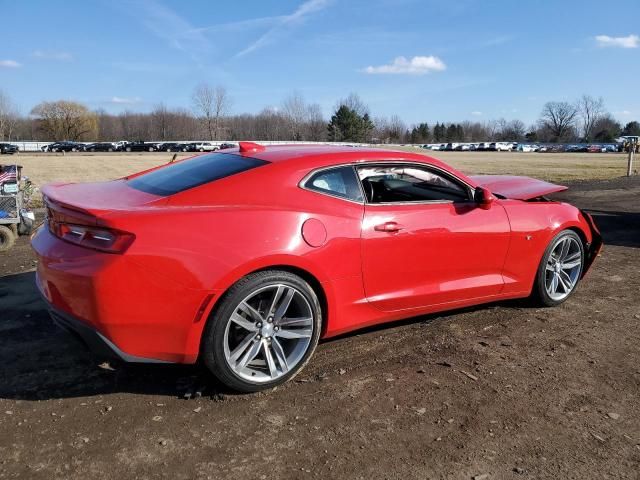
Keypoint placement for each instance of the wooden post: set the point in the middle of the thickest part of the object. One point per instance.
(632, 151)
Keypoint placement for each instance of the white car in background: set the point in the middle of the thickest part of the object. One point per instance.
(501, 147)
(205, 147)
(528, 148)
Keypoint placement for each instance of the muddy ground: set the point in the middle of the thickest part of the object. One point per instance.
(505, 390)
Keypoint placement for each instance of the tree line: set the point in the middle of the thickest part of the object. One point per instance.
(210, 117)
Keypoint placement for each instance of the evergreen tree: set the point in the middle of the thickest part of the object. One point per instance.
(631, 129)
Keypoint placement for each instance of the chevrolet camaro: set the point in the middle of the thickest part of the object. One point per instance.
(245, 258)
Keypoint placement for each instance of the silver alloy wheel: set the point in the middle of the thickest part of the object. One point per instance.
(563, 268)
(269, 333)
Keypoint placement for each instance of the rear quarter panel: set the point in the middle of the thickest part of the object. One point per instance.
(210, 247)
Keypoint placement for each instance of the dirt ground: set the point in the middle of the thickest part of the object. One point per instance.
(498, 391)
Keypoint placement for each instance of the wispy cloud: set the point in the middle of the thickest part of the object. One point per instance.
(630, 41)
(495, 41)
(50, 55)
(476, 113)
(125, 100)
(171, 27)
(9, 64)
(414, 66)
(284, 23)
(623, 113)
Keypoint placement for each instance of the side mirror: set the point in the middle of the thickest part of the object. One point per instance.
(484, 198)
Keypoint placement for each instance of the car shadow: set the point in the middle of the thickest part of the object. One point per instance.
(42, 361)
(618, 228)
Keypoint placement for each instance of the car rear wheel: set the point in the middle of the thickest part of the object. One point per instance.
(7, 239)
(560, 269)
(263, 332)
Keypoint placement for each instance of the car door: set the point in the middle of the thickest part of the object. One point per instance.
(425, 241)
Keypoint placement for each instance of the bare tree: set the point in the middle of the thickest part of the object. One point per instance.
(202, 99)
(590, 110)
(295, 112)
(8, 117)
(212, 104)
(559, 119)
(66, 120)
(317, 124)
(512, 130)
(355, 103)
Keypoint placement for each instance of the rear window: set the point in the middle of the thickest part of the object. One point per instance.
(192, 173)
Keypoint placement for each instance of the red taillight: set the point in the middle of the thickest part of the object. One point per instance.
(97, 238)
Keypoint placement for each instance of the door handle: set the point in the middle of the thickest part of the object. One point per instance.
(389, 227)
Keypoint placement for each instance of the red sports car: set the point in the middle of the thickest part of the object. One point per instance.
(244, 259)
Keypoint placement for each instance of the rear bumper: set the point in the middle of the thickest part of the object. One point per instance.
(93, 339)
(117, 305)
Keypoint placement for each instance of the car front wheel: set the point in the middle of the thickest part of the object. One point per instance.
(560, 269)
(263, 332)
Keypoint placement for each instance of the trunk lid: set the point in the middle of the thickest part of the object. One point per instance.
(517, 188)
(97, 198)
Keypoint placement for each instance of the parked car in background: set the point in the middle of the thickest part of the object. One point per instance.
(596, 149)
(224, 146)
(63, 147)
(139, 147)
(204, 147)
(500, 147)
(462, 147)
(523, 147)
(170, 147)
(575, 148)
(8, 148)
(100, 147)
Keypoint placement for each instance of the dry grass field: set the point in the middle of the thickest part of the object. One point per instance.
(85, 167)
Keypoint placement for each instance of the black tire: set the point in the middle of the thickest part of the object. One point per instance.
(202, 149)
(7, 239)
(539, 294)
(128, 149)
(212, 345)
(110, 150)
(150, 149)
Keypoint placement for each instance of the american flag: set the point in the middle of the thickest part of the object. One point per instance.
(8, 174)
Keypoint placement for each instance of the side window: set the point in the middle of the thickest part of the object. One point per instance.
(406, 183)
(341, 182)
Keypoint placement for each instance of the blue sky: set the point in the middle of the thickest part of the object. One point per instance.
(466, 59)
